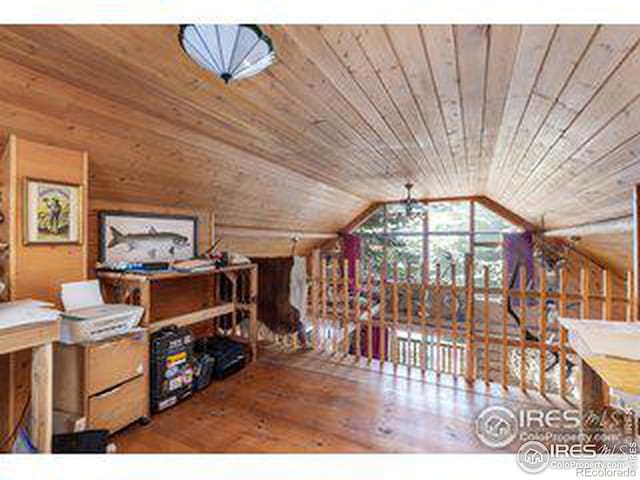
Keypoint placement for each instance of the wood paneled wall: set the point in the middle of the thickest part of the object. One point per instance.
(34, 271)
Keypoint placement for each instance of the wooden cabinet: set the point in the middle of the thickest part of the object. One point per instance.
(106, 382)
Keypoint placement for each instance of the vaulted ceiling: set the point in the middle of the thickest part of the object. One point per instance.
(543, 119)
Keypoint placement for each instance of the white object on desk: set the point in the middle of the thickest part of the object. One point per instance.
(88, 319)
(76, 295)
(23, 312)
(601, 337)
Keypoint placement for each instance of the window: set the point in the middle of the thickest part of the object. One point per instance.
(443, 236)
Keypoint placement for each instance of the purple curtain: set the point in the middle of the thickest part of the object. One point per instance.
(518, 253)
(351, 253)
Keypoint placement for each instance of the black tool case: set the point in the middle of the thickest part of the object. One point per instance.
(171, 359)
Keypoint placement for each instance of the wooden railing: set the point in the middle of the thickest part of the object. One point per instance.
(507, 335)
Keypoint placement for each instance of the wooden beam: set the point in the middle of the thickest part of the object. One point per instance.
(229, 231)
(612, 225)
(636, 250)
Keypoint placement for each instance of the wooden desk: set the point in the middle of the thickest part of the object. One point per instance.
(176, 298)
(598, 372)
(39, 337)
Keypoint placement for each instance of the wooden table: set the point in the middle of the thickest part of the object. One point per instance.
(39, 337)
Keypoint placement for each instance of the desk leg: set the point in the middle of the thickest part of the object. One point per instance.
(253, 312)
(591, 402)
(42, 397)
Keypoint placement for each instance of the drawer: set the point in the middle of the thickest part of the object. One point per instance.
(115, 361)
(118, 407)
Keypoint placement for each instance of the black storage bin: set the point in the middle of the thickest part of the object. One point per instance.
(230, 356)
(171, 367)
(203, 370)
(90, 441)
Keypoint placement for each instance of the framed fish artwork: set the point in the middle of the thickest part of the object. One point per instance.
(143, 238)
(52, 212)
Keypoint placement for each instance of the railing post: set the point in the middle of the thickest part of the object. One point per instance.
(315, 284)
(469, 311)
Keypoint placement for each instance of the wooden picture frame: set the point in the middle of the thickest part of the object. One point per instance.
(176, 237)
(53, 212)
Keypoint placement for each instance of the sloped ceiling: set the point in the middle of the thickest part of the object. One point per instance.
(543, 119)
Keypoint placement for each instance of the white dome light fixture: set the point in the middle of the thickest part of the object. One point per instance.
(232, 52)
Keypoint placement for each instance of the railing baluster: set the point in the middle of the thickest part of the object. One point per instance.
(485, 323)
(563, 333)
(523, 327)
(335, 297)
(454, 318)
(409, 310)
(395, 313)
(438, 320)
(543, 330)
(345, 311)
(369, 315)
(356, 309)
(423, 322)
(323, 293)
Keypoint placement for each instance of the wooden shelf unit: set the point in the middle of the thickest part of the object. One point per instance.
(177, 298)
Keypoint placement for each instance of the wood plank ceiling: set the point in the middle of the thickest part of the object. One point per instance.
(543, 119)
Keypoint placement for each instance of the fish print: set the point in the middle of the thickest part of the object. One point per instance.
(152, 242)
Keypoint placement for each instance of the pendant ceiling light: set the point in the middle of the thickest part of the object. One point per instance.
(232, 52)
(412, 206)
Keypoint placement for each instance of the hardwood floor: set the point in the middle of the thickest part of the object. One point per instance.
(300, 403)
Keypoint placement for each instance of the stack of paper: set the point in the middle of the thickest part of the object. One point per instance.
(22, 312)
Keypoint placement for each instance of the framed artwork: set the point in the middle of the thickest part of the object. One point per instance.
(52, 212)
(141, 238)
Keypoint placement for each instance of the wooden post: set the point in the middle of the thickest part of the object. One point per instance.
(591, 402)
(543, 329)
(145, 302)
(506, 296)
(395, 313)
(233, 277)
(523, 327)
(470, 358)
(356, 309)
(335, 298)
(42, 397)
(345, 309)
(563, 333)
(607, 293)
(630, 310)
(438, 320)
(323, 294)
(636, 251)
(369, 314)
(423, 322)
(485, 322)
(409, 313)
(315, 287)
(253, 312)
(382, 314)
(586, 289)
(454, 319)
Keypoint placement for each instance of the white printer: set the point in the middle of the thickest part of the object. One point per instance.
(88, 319)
